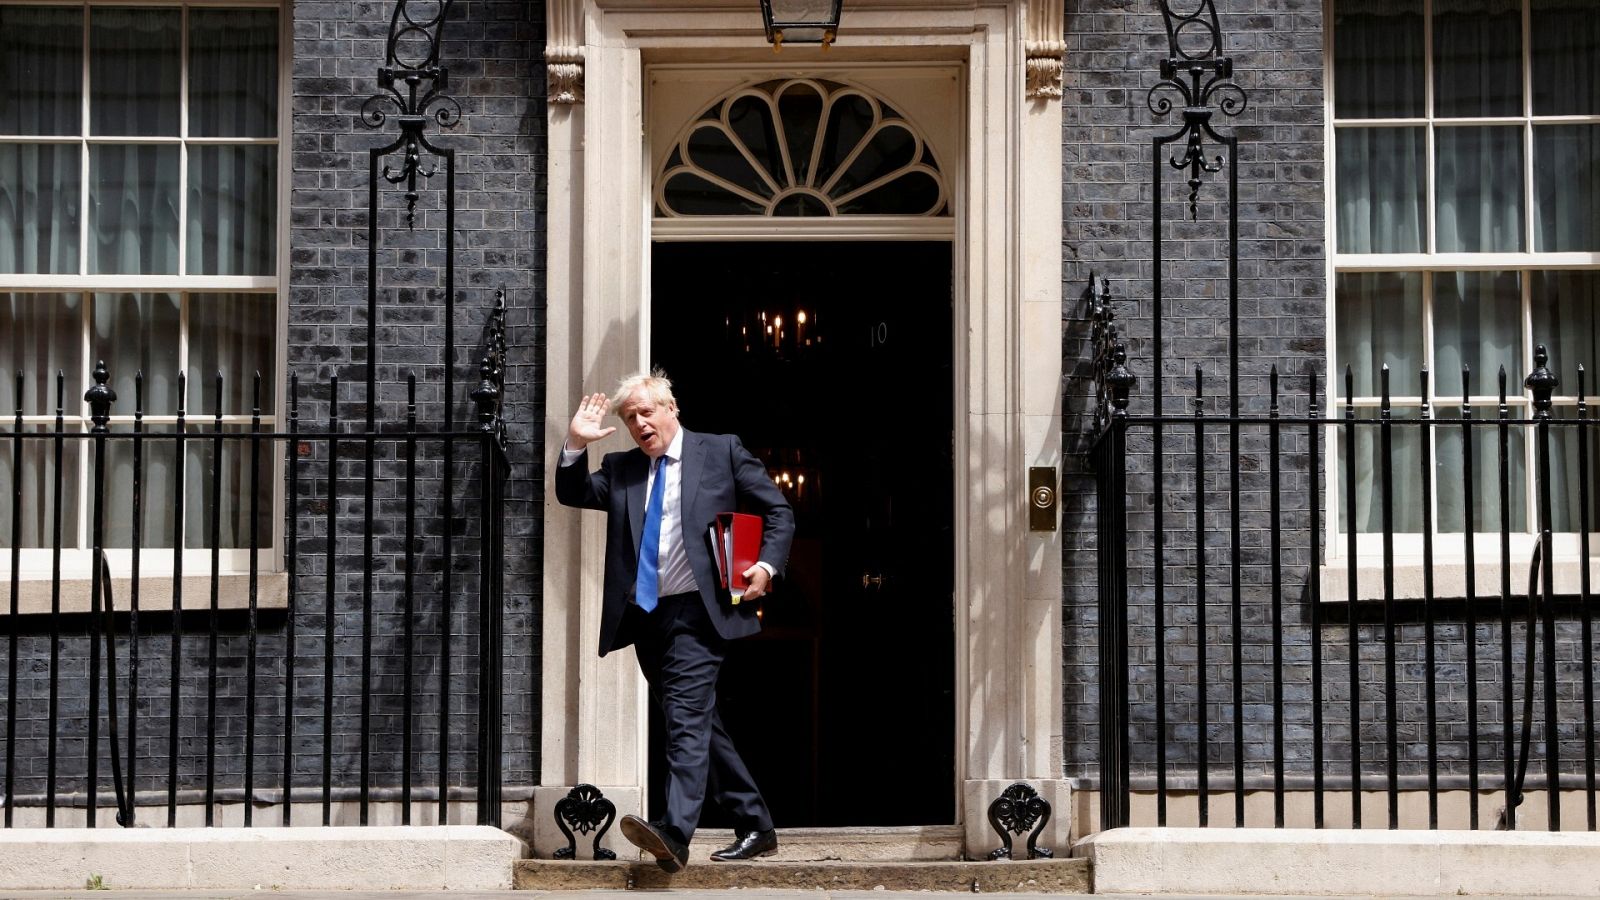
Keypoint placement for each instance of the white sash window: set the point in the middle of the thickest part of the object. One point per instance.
(1465, 166)
(139, 224)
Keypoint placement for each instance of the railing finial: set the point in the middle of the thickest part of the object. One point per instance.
(100, 396)
(1542, 382)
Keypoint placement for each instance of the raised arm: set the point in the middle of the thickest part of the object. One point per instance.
(575, 484)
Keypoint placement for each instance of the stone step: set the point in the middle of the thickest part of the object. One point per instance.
(1055, 876)
(857, 844)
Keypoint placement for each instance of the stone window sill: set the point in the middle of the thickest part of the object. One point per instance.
(155, 593)
(1450, 577)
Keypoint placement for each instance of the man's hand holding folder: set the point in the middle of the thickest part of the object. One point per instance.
(735, 545)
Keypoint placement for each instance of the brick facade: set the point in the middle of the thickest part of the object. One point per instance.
(1112, 61)
(493, 50)
(1113, 51)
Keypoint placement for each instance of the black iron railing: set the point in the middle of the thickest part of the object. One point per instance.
(1224, 670)
(379, 676)
(280, 704)
(1470, 687)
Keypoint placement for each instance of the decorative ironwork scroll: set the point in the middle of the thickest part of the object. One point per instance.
(412, 86)
(1112, 379)
(489, 395)
(586, 809)
(1018, 809)
(1198, 72)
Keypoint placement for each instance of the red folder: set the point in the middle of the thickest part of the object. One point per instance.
(736, 545)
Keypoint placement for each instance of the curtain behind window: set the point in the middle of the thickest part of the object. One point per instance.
(41, 61)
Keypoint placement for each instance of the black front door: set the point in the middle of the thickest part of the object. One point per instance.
(832, 362)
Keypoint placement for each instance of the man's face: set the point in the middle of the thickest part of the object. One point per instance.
(653, 426)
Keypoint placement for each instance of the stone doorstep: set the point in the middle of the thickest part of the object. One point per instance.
(856, 844)
(1058, 876)
(335, 858)
(1342, 862)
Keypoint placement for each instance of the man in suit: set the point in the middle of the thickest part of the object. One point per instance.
(662, 594)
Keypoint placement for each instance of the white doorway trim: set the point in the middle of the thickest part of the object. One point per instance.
(1007, 345)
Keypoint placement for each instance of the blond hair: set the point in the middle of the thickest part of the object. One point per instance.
(654, 384)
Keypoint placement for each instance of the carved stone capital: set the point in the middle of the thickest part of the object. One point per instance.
(1044, 70)
(563, 55)
(564, 76)
(1044, 47)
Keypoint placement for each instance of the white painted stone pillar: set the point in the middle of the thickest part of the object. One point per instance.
(594, 723)
(1013, 624)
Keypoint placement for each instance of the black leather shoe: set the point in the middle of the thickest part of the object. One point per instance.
(671, 854)
(749, 845)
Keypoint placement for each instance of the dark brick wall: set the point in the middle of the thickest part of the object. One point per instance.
(1113, 50)
(494, 51)
(1112, 60)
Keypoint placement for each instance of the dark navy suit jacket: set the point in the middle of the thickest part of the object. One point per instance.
(719, 475)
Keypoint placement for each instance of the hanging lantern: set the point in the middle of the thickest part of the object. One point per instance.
(800, 21)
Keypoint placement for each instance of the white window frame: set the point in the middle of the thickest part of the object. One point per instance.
(37, 564)
(1449, 548)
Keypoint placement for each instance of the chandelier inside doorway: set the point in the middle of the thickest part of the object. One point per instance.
(784, 332)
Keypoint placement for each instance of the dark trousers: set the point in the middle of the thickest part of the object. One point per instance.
(681, 655)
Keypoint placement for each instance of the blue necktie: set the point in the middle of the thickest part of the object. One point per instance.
(647, 586)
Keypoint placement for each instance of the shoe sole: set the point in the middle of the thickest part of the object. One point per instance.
(647, 840)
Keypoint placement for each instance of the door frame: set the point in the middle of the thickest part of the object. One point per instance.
(1006, 261)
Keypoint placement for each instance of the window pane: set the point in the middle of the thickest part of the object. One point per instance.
(40, 202)
(133, 216)
(233, 72)
(1564, 320)
(913, 193)
(1404, 460)
(1477, 53)
(36, 526)
(1479, 206)
(688, 194)
(136, 333)
(40, 334)
(1379, 323)
(1381, 178)
(1566, 503)
(158, 475)
(1566, 187)
(231, 334)
(232, 201)
(41, 62)
(799, 110)
(849, 119)
(1377, 60)
(233, 514)
(1477, 321)
(751, 121)
(712, 150)
(1450, 488)
(135, 65)
(1566, 41)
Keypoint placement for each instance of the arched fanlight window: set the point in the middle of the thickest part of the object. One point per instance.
(801, 147)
